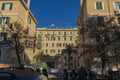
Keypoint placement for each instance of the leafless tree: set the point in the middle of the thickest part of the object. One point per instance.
(105, 37)
(18, 39)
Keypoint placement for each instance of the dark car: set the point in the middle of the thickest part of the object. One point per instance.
(18, 73)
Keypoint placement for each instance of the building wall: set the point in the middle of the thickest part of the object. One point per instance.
(87, 10)
(44, 41)
(19, 12)
(55, 54)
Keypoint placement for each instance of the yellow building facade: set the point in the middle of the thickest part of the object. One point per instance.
(53, 40)
(17, 10)
(103, 10)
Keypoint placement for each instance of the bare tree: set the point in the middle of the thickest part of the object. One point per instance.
(18, 39)
(103, 36)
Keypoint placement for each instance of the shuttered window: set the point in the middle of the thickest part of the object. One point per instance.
(5, 20)
(99, 5)
(7, 6)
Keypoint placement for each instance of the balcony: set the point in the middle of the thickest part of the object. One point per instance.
(117, 12)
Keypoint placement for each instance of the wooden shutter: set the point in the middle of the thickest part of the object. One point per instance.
(3, 6)
(11, 6)
(8, 20)
(0, 20)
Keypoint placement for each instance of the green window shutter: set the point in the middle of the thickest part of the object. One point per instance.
(3, 6)
(8, 20)
(99, 5)
(11, 6)
(0, 20)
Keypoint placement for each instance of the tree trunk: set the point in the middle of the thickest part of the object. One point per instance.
(17, 52)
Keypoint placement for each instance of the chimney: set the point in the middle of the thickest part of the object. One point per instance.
(28, 3)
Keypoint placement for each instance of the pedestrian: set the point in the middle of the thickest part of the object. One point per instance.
(92, 75)
(45, 72)
(111, 75)
(65, 74)
(82, 73)
(73, 74)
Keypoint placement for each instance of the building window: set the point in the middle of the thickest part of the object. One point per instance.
(5, 20)
(71, 33)
(58, 33)
(46, 51)
(58, 38)
(52, 50)
(29, 20)
(117, 5)
(47, 38)
(40, 37)
(77, 34)
(52, 38)
(71, 38)
(7, 6)
(58, 50)
(52, 44)
(47, 35)
(64, 33)
(64, 44)
(39, 46)
(27, 30)
(100, 19)
(58, 44)
(40, 32)
(118, 18)
(71, 58)
(46, 44)
(53, 33)
(65, 38)
(99, 5)
(71, 44)
(65, 57)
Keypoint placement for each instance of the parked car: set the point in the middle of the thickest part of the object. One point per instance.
(18, 73)
(57, 71)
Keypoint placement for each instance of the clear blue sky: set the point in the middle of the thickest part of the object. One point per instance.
(55, 12)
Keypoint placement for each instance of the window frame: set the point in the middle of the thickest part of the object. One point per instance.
(96, 5)
(118, 20)
(115, 6)
(4, 6)
(2, 20)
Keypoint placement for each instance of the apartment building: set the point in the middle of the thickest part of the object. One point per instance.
(53, 40)
(103, 10)
(12, 11)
